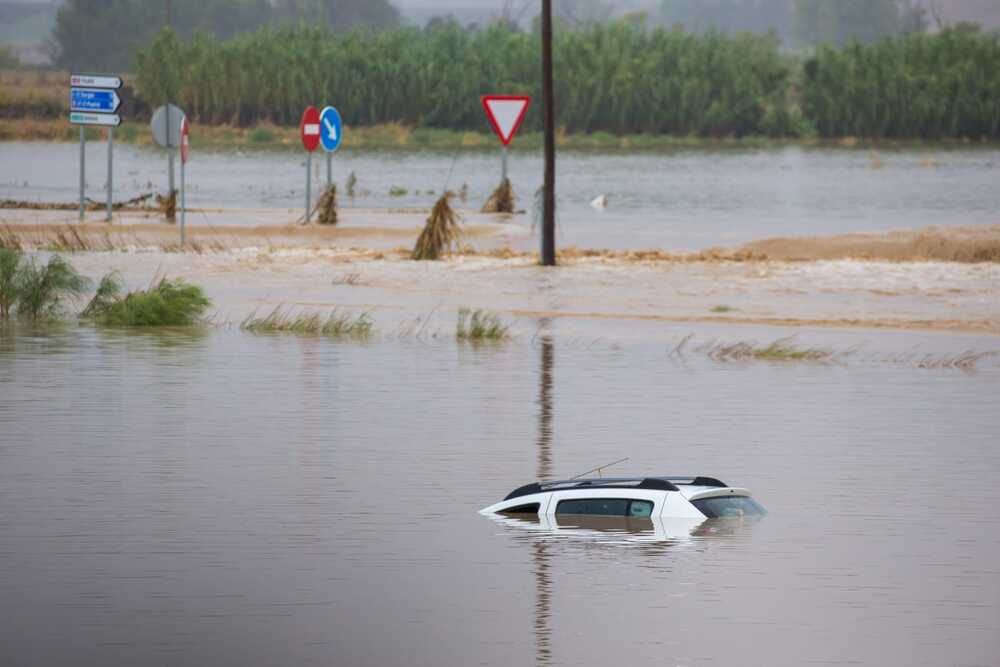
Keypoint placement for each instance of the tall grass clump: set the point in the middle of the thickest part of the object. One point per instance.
(334, 325)
(479, 325)
(165, 303)
(10, 261)
(441, 232)
(327, 206)
(502, 199)
(35, 290)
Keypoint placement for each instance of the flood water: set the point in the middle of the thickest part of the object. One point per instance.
(226, 499)
(684, 200)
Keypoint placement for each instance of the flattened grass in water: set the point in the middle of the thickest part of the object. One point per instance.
(167, 303)
(334, 325)
(783, 349)
(479, 325)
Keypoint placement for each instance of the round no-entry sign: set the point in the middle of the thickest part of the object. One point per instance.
(185, 141)
(309, 129)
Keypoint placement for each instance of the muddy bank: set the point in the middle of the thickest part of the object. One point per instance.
(934, 279)
(491, 236)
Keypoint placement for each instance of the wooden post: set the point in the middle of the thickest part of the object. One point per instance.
(549, 206)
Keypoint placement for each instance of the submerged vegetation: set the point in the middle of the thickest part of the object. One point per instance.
(32, 290)
(165, 303)
(621, 77)
(335, 325)
(480, 325)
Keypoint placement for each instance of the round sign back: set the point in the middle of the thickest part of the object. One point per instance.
(166, 126)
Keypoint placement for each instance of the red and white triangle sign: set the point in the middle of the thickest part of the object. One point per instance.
(506, 113)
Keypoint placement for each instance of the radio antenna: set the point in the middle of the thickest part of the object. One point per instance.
(600, 468)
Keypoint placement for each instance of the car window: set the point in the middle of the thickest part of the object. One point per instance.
(640, 508)
(605, 507)
(530, 508)
(723, 506)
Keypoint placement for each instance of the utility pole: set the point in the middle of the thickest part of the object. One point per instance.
(168, 13)
(549, 204)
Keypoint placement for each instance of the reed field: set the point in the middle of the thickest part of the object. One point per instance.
(619, 85)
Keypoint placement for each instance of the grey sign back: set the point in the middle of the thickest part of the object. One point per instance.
(165, 117)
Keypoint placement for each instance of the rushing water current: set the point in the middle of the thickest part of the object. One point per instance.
(679, 201)
(226, 499)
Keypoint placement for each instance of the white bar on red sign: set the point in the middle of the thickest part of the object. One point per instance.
(310, 129)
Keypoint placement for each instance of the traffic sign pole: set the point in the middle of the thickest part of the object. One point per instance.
(111, 153)
(309, 164)
(329, 169)
(183, 206)
(93, 101)
(503, 170)
(83, 168)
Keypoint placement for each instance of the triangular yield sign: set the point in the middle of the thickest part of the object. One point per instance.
(506, 113)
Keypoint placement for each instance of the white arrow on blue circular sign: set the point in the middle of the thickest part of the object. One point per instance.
(331, 129)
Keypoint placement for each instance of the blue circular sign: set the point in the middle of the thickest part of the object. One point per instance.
(331, 129)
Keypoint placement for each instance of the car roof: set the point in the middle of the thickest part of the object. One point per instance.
(661, 483)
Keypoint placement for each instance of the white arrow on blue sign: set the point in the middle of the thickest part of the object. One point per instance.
(331, 129)
(93, 100)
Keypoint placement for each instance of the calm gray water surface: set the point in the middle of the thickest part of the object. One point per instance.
(227, 499)
(685, 200)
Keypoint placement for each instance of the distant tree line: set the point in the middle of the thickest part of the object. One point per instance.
(620, 77)
(800, 22)
(105, 34)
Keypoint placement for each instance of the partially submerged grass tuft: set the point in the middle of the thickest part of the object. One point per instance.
(479, 325)
(723, 309)
(37, 290)
(328, 206)
(334, 325)
(440, 233)
(502, 199)
(397, 191)
(164, 304)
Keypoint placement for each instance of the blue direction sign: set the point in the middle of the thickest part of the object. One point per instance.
(331, 129)
(93, 100)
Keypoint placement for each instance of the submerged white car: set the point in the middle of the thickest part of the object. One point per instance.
(668, 497)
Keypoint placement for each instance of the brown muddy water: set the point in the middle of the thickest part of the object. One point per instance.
(688, 200)
(220, 498)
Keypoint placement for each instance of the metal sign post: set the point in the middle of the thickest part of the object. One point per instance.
(83, 169)
(111, 163)
(93, 101)
(309, 131)
(166, 126)
(185, 152)
(331, 134)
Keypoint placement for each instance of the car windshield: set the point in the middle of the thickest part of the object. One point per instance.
(724, 506)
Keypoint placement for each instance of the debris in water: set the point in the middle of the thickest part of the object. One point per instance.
(352, 182)
(441, 232)
(168, 205)
(328, 206)
(600, 202)
(502, 199)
